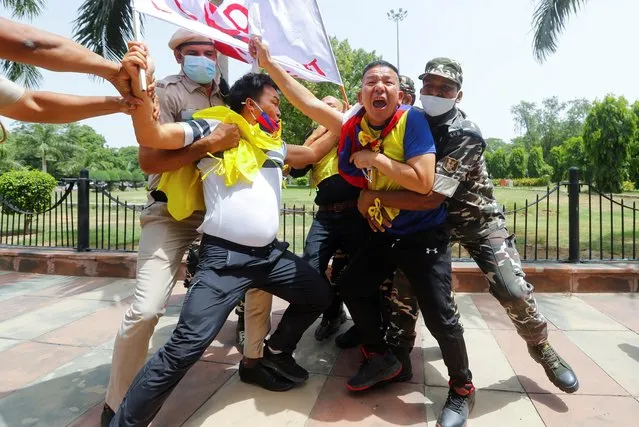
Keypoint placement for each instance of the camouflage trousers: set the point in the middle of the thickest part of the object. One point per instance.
(399, 311)
(192, 259)
(398, 306)
(497, 257)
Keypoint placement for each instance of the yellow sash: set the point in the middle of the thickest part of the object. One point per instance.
(183, 187)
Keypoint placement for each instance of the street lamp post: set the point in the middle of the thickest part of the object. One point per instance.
(397, 16)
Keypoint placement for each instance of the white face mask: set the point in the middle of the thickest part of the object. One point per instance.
(435, 106)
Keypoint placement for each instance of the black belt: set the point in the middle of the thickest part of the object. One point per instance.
(261, 252)
(159, 196)
(338, 207)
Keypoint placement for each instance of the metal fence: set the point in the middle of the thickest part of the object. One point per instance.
(570, 221)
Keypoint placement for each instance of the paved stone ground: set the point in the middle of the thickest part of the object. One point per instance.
(56, 335)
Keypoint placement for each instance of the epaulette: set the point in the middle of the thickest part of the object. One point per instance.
(167, 81)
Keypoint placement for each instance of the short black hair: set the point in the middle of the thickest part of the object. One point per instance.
(380, 63)
(250, 85)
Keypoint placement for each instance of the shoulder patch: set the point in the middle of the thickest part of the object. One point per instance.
(450, 164)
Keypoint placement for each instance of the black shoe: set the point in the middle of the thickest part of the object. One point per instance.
(557, 369)
(240, 335)
(459, 404)
(264, 377)
(375, 368)
(403, 355)
(284, 364)
(349, 339)
(107, 416)
(329, 326)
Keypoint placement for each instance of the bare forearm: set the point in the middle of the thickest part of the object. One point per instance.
(153, 160)
(408, 200)
(50, 107)
(301, 156)
(304, 100)
(26, 44)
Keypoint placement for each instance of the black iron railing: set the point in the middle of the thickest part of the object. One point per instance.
(570, 221)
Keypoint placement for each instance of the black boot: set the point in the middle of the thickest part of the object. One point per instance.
(557, 369)
(349, 339)
(285, 365)
(329, 326)
(264, 377)
(375, 369)
(107, 416)
(403, 355)
(459, 404)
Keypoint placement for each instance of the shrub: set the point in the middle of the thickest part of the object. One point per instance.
(99, 176)
(302, 181)
(532, 182)
(28, 190)
(628, 186)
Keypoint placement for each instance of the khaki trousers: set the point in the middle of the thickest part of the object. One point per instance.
(257, 319)
(163, 242)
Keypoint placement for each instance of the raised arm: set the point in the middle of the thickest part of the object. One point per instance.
(170, 136)
(298, 95)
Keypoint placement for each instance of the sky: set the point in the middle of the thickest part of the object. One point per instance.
(491, 39)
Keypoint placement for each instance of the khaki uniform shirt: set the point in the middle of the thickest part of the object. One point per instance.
(179, 98)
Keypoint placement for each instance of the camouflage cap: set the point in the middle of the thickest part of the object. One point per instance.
(406, 84)
(445, 67)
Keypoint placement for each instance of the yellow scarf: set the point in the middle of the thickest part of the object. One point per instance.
(183, 187)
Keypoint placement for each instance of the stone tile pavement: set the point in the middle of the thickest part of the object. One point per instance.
(56, 335)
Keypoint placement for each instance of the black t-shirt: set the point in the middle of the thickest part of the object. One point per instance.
(334, 189)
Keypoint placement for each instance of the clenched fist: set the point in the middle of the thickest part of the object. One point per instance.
(223, 137)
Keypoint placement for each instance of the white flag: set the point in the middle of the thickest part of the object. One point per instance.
(293, 30)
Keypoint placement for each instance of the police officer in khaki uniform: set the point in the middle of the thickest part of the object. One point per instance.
(474, 216)
(164, 240)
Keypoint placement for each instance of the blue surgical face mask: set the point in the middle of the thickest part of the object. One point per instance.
(200, 69)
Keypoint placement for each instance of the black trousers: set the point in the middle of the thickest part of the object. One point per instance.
(425, 259)
(330, 231)
(226, 270)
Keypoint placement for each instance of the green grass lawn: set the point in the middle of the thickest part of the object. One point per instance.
(546, 224)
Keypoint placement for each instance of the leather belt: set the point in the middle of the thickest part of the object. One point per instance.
(338, 207)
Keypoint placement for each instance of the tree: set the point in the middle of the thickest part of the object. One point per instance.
(497, 163)
(492, 144)
(550, 124)
(350, 62)
(39, 145)
(537, 167)
(609, 132)
(517, 163)
(549, 20)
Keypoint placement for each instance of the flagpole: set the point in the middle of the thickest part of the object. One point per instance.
(341, 88)
(138, 37)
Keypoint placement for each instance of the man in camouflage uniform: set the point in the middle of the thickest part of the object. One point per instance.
(474, 216)
(407, 85)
